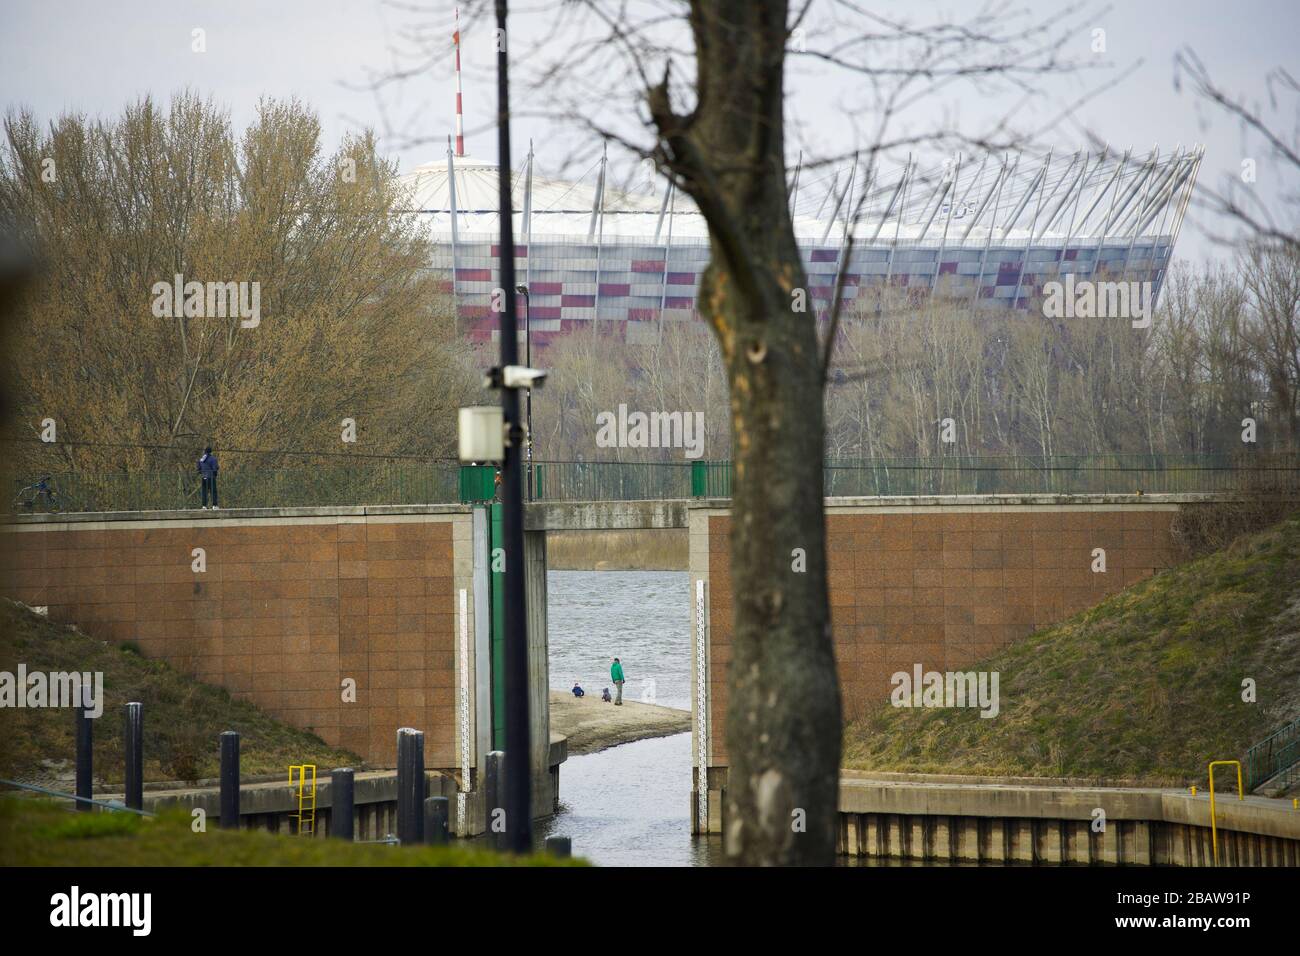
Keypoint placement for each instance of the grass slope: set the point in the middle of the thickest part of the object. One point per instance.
(182, 717)
(1147, 684)
(38, 833)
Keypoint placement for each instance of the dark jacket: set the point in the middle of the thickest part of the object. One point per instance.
(208, 465)
(578, 691)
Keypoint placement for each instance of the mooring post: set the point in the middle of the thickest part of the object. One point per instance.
(493, 791)
(342, 802)
(229, 780)
(436, 814)
(410, 785)
(134, 748)
(85, 751)
(560, 846)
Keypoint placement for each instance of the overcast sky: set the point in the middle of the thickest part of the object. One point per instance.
(95, 56)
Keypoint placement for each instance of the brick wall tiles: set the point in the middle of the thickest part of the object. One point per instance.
(946, 588)
(283, 613)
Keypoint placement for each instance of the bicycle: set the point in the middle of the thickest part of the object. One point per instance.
(40, 490)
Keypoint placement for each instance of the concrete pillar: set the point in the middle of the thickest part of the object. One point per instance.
(1024, 838)
(967, 843)
(916, 837)
(895, 833)
(1112, 841)
(996, 849)
(940, 838)
(1050, 841)
(850, 825)
(716, 801)
(539, 707)
(1139, 851)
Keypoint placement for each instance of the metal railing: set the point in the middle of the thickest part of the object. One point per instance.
(102, 804)
(1033, 474)
(240, 485)
(1278, 753)
(415, 482)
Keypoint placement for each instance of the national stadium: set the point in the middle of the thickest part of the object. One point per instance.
(991, 231)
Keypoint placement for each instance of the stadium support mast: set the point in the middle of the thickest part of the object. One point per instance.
(835, 181)
(792, 195)
(528, 218)
(451, 194)
(1041, 182)
(1152, 161)
(598, 224)
(460, 116)
(668, 248)
(1004, 174)
(1105, 226)
(947, 223)
(848, 191)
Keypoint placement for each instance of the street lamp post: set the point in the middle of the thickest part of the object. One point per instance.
(495, 433)
(519, 823)
(528, 360)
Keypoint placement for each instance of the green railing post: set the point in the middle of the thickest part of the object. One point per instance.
(477, 483)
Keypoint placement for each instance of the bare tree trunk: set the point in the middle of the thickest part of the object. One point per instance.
(783, 713)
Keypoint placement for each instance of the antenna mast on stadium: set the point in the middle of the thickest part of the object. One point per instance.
(460, 116)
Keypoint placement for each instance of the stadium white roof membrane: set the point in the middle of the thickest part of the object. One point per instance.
(1013, 199)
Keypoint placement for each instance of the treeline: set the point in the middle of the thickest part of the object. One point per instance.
(354, 336)
(137, 377)
(1221, 349)
(923, 379)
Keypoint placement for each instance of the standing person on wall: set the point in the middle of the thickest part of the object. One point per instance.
(616, 675)
(208, 468)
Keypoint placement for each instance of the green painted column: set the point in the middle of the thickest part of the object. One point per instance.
(496, 566)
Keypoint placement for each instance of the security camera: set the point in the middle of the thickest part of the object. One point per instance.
(521, 376)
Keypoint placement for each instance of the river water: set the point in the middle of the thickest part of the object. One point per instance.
(629, 805)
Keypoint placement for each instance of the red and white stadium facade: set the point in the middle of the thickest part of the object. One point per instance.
(992, 232)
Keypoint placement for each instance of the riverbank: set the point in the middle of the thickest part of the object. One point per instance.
(592, 725)
(630, 550)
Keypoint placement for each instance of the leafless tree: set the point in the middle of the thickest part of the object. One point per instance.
(699, 88)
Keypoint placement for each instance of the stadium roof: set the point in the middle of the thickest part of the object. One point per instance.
(1017, 197)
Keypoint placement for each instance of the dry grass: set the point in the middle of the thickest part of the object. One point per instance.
(182, 716)
(643, 550)
(1147, 684)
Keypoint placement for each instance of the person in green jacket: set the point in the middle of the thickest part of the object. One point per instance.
(616, 675)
